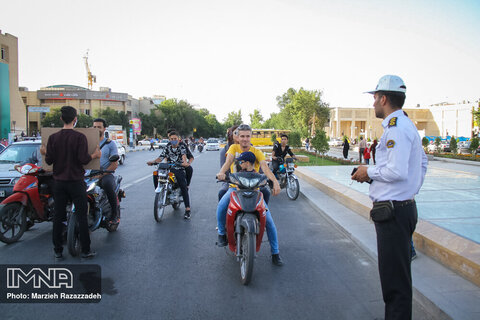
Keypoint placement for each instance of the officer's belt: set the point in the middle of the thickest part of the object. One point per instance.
(397, 204)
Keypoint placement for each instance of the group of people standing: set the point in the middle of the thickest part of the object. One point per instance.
(364, 151)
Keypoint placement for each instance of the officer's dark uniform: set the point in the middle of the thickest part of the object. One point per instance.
(397, 177)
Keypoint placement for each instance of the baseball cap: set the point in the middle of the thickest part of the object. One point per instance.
(390, 83)
(247, 156)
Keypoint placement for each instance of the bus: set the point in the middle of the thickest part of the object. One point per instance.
(263, 137)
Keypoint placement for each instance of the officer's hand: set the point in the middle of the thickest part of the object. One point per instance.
(221, 176)
(43, 150)
(276, 187)
(361, 174)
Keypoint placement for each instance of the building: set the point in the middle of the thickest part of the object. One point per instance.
(436, 120)
(86, 101)
(12, 110)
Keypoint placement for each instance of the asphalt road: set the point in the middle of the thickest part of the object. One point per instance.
(173, 270)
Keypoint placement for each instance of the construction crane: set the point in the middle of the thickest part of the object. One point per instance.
(91, 78)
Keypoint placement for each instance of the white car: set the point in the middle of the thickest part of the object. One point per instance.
(212, 144)
(121, 152)
(335, 142)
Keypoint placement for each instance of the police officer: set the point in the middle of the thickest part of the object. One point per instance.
(395, 180)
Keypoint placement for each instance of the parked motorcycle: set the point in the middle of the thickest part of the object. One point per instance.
(286, 178)
(246, 219)
(167, 192)
(31, 201)
(99, 209)
(192, 146)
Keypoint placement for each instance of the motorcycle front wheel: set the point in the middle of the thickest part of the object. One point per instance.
(293, 188)
(73, 236)
(159, 204)
(248, 255)
(13, 222)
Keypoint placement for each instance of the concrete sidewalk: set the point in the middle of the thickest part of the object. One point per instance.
(440, 290)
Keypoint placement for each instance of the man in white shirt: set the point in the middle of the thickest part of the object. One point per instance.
(395, 180)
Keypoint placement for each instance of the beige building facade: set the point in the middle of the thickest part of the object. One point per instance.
(12, 110)
(437, 120)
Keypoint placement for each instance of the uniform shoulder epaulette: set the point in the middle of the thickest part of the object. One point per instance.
(108, 141)
(393, 122)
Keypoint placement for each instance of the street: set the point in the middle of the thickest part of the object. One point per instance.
(173, 269)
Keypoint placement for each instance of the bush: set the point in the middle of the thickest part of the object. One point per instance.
(474, 145)
(453, 145)
(320, 142)
(438, 140)
(425, 143)
(274, 138)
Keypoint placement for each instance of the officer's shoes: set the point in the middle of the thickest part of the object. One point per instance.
(59, 256)
(222, 240)
(277, 260)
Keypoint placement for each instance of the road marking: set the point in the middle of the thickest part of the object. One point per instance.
(136, 181)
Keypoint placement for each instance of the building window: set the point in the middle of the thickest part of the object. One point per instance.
(4, 53)
(24, 100)
(87, 112)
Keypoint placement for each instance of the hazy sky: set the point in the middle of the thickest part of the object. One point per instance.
(224, 55)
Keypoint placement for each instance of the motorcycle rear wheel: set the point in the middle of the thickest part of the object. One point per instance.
(248, 248)
(159, 204)
(293, 188)
(13, 222)
(73, 237)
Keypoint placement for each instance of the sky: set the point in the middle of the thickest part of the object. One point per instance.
(227, 55)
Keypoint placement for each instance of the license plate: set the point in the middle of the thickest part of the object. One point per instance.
(2, 193)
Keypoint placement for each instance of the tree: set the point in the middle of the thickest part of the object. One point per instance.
(474, 142)
(476, 115)
(453, 145)
(438, 140)
(113, 117)
(273, 138)
(303, 109)
(256, 119)
(294, 139)
(233, 119)
(425, 143)
(320, 142)
(52, 120)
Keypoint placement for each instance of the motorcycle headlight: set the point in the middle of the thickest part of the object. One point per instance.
(291, 165)
(249, 183)
(91, 186)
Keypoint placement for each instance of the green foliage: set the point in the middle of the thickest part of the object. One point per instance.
(453, 145)
(438, 140)
(294, 139)
(256, 119)
(302, 109)
(474, 142)
(476, 114)
(320, 142)
(113, 117)
(425, 142)
(273, 138)
(233, 118)
(52, 120)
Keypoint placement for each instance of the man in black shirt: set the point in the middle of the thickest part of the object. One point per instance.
(279, 152)
(176, 153)
(67, 150)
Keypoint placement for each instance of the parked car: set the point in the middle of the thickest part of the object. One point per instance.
(335, 142)
(163, 143)
(445, 146)
(212, 144)
(16, 153)
(122, 152)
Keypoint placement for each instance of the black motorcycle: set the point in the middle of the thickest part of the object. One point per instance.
(99, 209)
(167, 192)
(286, 177)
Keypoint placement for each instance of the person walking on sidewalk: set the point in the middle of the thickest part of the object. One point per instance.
(361, 148)
(346, 146)
(395, 180)
(373, 150)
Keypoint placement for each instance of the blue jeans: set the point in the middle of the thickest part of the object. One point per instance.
(222, 219)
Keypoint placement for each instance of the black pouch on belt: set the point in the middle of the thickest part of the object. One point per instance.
(382, 211)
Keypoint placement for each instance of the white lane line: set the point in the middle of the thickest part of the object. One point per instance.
(136, 181)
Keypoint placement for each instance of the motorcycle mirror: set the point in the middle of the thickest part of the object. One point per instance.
(113, 158)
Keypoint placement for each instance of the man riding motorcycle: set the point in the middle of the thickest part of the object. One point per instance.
(107, 180)
(279, 152)
(244, 133)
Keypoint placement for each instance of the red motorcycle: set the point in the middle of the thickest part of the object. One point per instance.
(246, 219)
(31, 201)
